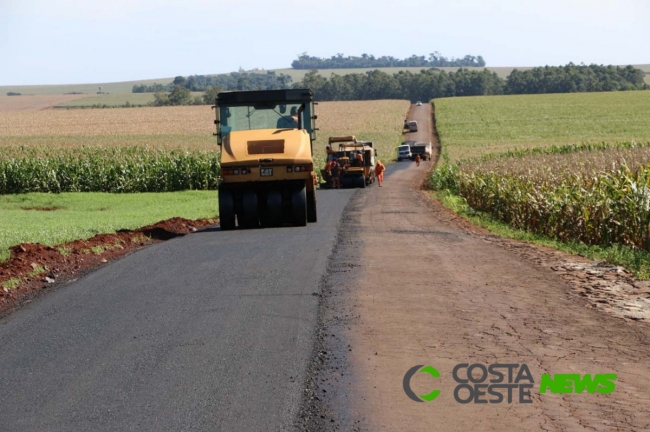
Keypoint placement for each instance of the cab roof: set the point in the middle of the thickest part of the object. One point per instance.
(267, 96)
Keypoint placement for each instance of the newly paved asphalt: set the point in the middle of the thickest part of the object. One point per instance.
(207, 332)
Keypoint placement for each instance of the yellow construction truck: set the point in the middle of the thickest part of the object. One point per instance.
(267, 167)
(356, 160)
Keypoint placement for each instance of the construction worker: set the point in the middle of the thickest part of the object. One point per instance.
(335, 174)
(417, 160)
(329, 153)
(360, 158)
(328, 173)
(379, 172)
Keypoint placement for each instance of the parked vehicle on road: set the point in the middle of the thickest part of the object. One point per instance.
(424, 149)
(413, 126)
(418, 103)
(404, 151)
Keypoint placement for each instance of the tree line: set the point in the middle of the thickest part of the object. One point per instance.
(155, 87)
(180, 95)
(338, 61)
(429, 84)
(424, 85)
(232, 81)
(573, 79)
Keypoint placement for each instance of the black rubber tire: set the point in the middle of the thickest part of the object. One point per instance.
(312, 217)
(299, 207)
(272, 216)
(251, 216)
(226, 211)
(360, 182)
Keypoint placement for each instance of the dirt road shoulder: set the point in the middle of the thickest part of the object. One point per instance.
(408, 286)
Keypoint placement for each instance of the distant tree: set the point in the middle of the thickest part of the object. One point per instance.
(143, 88)
(161, 99)
(313, 80)
(210, 95)
(180, 96)
(192, 84)
(13, 94)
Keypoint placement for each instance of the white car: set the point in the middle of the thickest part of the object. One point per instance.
(404, 152)
(418, 103)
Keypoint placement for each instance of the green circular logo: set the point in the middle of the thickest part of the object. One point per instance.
(407, 383)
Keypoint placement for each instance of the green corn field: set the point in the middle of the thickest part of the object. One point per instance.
(106, 169)
(593, 193)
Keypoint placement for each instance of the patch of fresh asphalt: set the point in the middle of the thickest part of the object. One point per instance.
(211, 331)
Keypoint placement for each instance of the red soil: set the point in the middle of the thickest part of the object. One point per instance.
(38, 267)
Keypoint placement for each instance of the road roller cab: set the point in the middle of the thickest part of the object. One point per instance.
(267, 168)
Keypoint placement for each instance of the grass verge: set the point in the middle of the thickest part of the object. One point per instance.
(634, 260)
(52, 219)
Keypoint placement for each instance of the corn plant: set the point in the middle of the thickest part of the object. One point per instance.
(596, 194)
(107, 169)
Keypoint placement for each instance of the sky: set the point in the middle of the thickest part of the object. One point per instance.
(98, 41)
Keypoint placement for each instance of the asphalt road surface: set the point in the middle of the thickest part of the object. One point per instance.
(212, 331)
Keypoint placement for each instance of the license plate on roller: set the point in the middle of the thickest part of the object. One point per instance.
(266, 172)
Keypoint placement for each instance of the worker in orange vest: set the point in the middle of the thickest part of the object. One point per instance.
(379, 172)
(328, 173)
(336, 175)
(417, 160)
(360, 158)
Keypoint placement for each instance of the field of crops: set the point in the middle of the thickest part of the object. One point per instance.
(160, 127)
(578, 168)
(378, 121)
(107, 169)
(110, 100)
(187, 128)
(472, 126)
(113, 100)
(595, 194)
(88, 89)
(151, 149)
(131, 149)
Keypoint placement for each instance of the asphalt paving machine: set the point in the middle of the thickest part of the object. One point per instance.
(353, 171)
